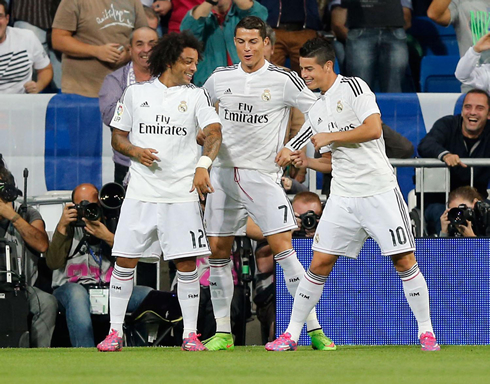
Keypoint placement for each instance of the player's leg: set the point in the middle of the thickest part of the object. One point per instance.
(417, 295)
(388, 222)
(182, 244)
(135, 232)
(225, 217)
(221, 288)
(308, 294)
(188, 290)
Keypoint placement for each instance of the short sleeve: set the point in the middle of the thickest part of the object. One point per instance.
(205, 111)
(40, 58)
(123, 114)
(297, 94)
(67, 15)
(361, 98)
(209, 87)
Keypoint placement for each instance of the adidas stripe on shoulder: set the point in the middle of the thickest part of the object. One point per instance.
(354, 85)
(293, 76)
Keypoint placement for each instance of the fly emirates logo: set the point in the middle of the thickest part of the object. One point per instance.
(245, 115)
(162, 126)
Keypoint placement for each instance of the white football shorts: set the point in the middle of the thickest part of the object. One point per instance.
(146, 229)
(243, 192)
(347, 222)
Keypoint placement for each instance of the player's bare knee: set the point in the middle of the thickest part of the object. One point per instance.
(322, 263)
(280, 242)
(221, 247)
(126, 262)
(185, 265)
(403, 261)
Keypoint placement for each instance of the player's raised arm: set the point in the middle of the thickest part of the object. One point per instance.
(369, 130)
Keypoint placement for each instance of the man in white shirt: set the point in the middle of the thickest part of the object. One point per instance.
(469, 71)
(365, 199)
(155, 124)
(20, 50)
(255, 98)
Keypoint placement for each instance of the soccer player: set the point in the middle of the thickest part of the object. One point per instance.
(156, 124)
(365, 199)
(255, 98)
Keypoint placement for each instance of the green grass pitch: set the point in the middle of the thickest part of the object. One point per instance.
(349, 364)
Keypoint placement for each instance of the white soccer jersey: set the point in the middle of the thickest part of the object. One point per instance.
(254, 110)
(358, 170)
(168, 120)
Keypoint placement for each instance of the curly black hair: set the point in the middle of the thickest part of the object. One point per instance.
(168, 50)
(319, 48)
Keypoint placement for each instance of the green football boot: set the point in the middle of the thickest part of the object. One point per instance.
(320, 341)
(220, 342)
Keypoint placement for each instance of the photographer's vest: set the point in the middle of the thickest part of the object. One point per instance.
(87, 266)
(8, 231)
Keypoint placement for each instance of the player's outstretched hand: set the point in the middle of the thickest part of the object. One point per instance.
(321, 140)
(146, 156)
(283, 158)
(202, 183)
(299, 159)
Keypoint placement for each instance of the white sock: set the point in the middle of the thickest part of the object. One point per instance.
(307, 296)
(417, 295)
(121, 288)
(188, 289)
(221, 289)
(293, 273)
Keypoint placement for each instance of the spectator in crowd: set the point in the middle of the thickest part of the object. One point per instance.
(375, 31)
(469, 71)
(80, 258)
(294, 22)
(20, 50)
(141, 41)
(454, 137)
(178, 8)
(213, 22)
(152, 18)
(466, 16)
(38, 16)
(467, 196)
(93, 36)
(27, 229)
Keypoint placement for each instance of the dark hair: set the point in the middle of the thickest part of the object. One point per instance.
(467, 193)
(319, 48)
(5, 6)
(168, 50)
(5, 175)
(253, 22)
(478, 92)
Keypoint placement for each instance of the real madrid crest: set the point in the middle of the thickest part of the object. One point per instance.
(339, 106)
(182, 106)
(317, 238)
(266, 96)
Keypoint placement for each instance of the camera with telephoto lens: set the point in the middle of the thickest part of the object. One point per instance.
(479, 217)
(9, 192)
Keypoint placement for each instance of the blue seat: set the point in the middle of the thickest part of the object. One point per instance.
(437, 74)
(434, 39)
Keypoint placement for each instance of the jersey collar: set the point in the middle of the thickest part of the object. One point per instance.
(258, 71)
(334, 85)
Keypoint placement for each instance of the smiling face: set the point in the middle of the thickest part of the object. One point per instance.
(314, 74)
(250, 48)
(182, 71)
(144, 39)
(475, 113)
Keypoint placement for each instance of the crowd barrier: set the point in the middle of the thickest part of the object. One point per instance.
(61, 140)
(363, 301)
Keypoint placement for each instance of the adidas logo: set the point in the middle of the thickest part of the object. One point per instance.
(320, 120)
(145, 104)
(228, 91)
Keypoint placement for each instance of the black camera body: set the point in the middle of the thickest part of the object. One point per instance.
(89, 211)
(309, 221)
(9, 192)
(479, 217)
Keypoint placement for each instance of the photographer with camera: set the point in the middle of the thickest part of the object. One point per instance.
(80, 256)
(19, 229)
(308, 210)
(467, 214)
